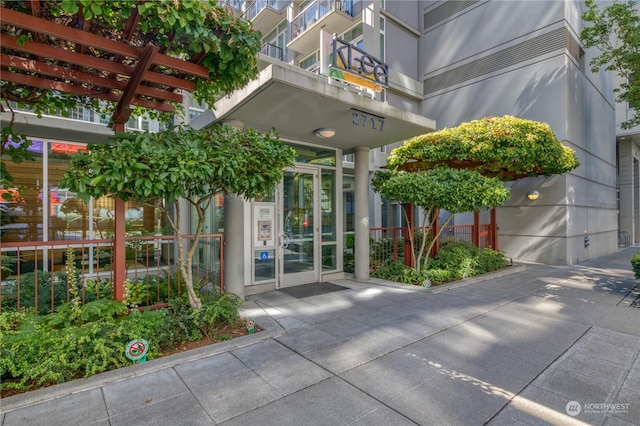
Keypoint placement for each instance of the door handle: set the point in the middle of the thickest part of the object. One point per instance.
(285, 241)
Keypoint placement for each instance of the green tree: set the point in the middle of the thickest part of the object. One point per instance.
(188, 164)
(455, 190)
(463, 168)
(615, 31)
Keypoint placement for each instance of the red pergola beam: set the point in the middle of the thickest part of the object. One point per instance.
(60, 86)
(75, 58)
(31, 23)
(82, 77)
(122, 111)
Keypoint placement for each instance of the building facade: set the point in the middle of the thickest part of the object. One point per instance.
(407, 68)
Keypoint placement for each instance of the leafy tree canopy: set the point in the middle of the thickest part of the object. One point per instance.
(505, 147)
(187, 163)
(615, 31)
(456, 190)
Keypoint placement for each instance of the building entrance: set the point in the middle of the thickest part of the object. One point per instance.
(298, 251)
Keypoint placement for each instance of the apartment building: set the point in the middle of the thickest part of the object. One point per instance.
(343, 81)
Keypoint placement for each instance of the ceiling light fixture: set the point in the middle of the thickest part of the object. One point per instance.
(533, 195)
(325, 132)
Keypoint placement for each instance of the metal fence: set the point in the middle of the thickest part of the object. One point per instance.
(387, 244)
(35, 275)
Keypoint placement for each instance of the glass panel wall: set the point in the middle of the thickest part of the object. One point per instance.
(328, 208)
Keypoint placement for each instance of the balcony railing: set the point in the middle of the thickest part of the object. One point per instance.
(259, 5)
(273, 51)
(315, 11)
(236, 4)
(34, 273)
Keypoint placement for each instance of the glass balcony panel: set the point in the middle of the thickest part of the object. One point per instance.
(334, 16)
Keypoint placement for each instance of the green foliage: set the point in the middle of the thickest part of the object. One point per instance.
(184, 28)
(460, 258)
(455, 261)
(635, 264)
(55, 349)
(490, 260)
(68, 314)
(382, 250)
(436, 276)
(398, 272)
(507, 147)
(615, 31)
(456, 190)
(189, 164)
(43, 288)
(220, 310)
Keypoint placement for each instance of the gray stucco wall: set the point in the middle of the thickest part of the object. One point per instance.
(551, 86)
(403, 60)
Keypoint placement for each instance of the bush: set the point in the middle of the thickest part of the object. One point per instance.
(437, 276)
(44, 289)
(635, 263)
(77, 342)
(490, 260)
(456, 260)
(398, 272)
(459, 258)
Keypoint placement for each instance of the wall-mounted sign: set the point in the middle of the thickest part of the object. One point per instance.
(344, 61)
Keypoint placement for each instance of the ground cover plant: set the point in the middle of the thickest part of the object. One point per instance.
(84, 337)
(456, 260)
(79, 341)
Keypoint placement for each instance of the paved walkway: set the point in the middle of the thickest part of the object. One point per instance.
(543, 345)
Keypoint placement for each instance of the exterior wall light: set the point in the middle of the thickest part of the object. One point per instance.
(325, 132)
(533, 195)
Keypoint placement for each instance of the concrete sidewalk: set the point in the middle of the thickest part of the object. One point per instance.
(543, 345)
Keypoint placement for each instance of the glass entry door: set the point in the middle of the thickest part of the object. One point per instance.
(300, 228)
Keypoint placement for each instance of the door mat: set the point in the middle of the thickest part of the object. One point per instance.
(313, 289)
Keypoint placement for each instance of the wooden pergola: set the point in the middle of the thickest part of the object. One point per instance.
(41, 52)
(71, 58)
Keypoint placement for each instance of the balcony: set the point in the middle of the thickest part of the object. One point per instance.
(332, 16)
(273, 51)
(266, 14)
(235, 5)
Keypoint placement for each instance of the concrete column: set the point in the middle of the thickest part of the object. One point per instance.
(234, 229)
(628, 189)
(362, 213)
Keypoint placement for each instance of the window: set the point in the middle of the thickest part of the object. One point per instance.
(348, 158)
(353, 33)
(310, 63)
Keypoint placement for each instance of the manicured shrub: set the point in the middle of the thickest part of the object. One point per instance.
(490, 260)
(455, 261)
(635, 263)
(460, 258)
(437, 276)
